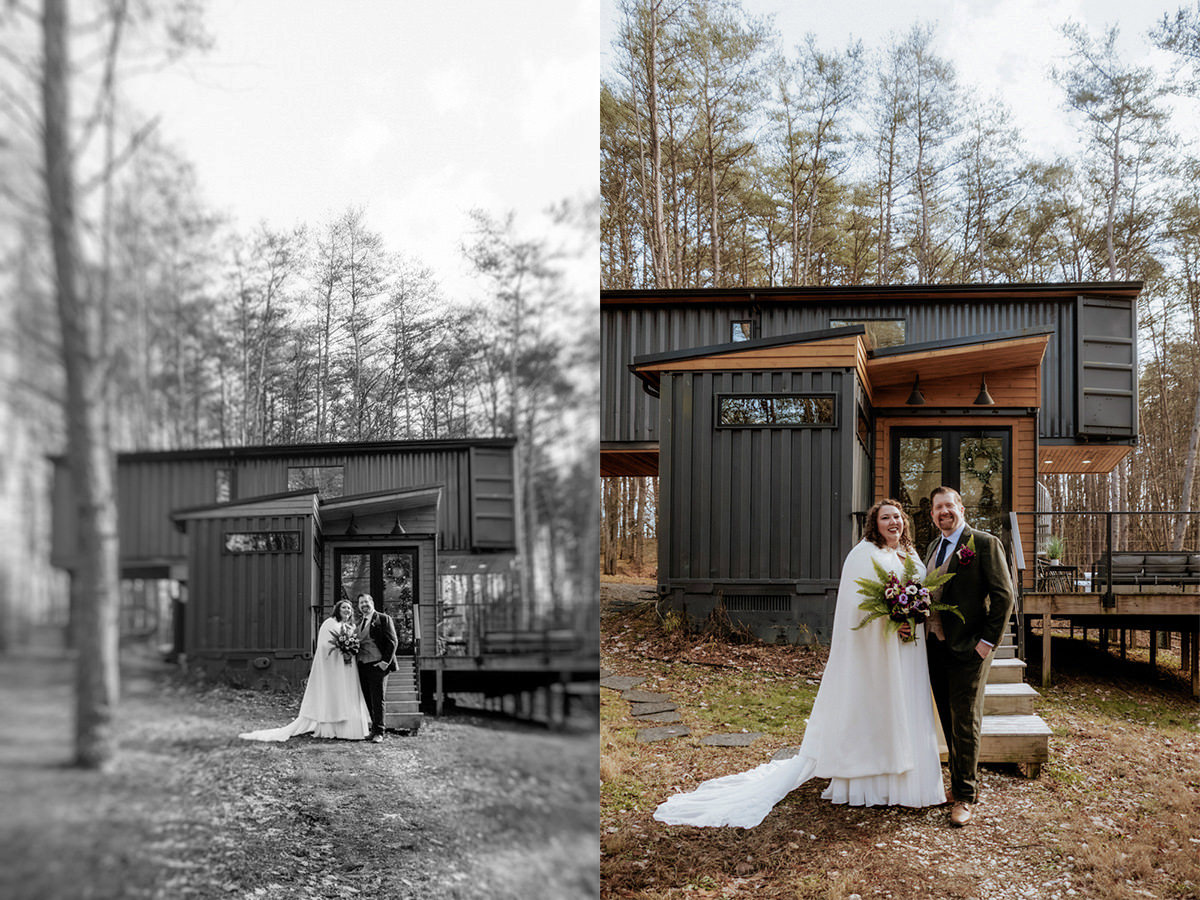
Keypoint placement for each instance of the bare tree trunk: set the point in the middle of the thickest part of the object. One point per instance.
(97, 577)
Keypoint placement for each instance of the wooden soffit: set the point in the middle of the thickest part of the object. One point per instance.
(932, 361)
(637, 460)
(1080, 459)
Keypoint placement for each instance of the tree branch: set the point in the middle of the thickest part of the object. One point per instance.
(121, 158)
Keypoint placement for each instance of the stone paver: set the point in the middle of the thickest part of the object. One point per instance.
(621, 682)
(650, 735)
(645, 709)
(785, 753)
(662, 718)
(644, 697)
(740, 739)
(604, 673)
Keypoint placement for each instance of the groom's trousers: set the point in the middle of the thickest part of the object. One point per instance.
(958, 688)
(373, 680)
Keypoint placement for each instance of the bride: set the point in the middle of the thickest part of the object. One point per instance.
(871, 730)
(333, 704)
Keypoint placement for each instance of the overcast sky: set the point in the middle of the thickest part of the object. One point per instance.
(1001, 47)
(416, 110)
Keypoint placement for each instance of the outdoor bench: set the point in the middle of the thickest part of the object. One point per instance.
(1158, 567)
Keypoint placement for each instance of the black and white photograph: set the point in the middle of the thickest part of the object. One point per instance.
(900, 419)
(299, 593)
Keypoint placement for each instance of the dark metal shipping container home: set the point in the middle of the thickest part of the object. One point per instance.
(259, 542)
(772, 417)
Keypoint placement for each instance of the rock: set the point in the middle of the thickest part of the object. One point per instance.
(785, 753)
(737, 739)
(621, 682)
(644, 697)
(663, 718)
(645, 709)
(650, 735)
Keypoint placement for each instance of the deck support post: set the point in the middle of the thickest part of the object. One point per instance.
(1046, 650)
(1185, 641)
(439, 694)
(1154, 651)
(1121, 638)
(1104, 640)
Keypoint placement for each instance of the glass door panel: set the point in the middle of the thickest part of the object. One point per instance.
(920, 471)
(389, 577)
(976, 462)
(981, 481)
(397, 596)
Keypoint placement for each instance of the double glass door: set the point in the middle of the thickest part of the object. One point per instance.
(975, 462)
(389, 576)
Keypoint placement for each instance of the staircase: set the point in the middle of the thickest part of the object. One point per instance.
(1011, 731)
(402, 697)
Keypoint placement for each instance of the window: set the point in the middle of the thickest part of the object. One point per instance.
(262, 542)
(775, 410)
(223, 485)
(326, 479)
(880, 332)
(741, 330)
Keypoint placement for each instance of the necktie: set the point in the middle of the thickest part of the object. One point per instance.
(941, 557)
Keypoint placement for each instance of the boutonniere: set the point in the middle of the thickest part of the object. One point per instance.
(966, 553)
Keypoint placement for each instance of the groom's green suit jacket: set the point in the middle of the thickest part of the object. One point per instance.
(981, 590)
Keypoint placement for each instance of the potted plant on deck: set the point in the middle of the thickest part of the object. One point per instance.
(1054, 549)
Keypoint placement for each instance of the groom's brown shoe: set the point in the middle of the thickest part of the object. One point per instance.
(960, 814)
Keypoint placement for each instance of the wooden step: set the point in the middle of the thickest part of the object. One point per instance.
(1011, 739)
(1006, 671)
(1013, 699)
(1018, 739)
(1005, 651)
(402, 698)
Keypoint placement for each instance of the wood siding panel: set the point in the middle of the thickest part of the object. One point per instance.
(1008, 387)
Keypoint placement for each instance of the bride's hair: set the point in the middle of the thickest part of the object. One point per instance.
(333, 613)
(871, 530)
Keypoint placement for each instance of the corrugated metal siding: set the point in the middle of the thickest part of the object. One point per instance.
(629, 413)
(753, 503)
(148, 491)
(256, 602)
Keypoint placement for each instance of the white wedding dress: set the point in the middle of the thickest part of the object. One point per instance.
(871, 730)
(333, 704)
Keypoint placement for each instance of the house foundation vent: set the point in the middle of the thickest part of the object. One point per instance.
(758, 602)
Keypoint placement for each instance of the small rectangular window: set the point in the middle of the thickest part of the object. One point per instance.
(880, 332)
(326, 479)
(223, 485)
(262, 542)
(775, 410)
(741, 330)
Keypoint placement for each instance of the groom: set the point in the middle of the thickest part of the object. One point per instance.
(960, 650)
(376, 658)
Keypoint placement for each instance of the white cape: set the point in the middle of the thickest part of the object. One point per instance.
(333, 704)
(871, 729)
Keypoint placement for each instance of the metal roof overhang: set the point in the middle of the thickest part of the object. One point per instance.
(338, 508)
(958, 358)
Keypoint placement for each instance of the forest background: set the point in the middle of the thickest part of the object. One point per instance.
(729, 159)
(214, 332)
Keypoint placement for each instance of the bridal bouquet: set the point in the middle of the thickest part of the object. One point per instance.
(345, 641)
(901, 598)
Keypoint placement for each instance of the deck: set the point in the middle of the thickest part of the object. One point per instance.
(1151, 608)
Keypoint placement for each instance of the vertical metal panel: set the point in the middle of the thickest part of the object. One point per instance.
(252, 602)
(1106, 362)
(752, 503)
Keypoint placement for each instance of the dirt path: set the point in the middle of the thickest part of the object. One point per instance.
(464, 809)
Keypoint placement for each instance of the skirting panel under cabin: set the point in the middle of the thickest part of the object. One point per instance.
(797, 613)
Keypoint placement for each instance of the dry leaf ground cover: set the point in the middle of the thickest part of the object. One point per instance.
(467, 808)
(1115, 814)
